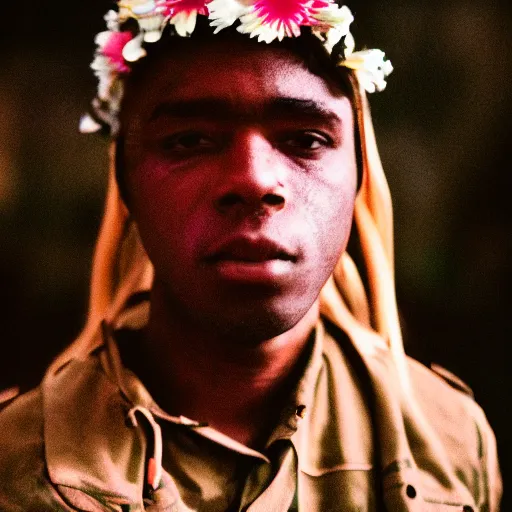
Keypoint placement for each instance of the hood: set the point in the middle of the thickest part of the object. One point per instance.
(366, 311)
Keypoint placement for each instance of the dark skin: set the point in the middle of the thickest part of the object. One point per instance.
(241, 175)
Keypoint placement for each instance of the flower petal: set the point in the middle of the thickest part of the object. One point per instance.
(371, 68)
(223, 13)
(152, 26)
(185, 23)
(133, 51)
(275, 19)
(335, 16)
(102, 38)
(112, 19)
(350, 44)
(144, 9)
(88, 125)
(331, 38)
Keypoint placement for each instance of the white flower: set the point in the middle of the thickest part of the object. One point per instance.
(112, 19)
(105, 74)
(133, 51)
(184, 22)
(333, 16)
(251, 24)
(136, 8)
(334, 24)
(152, 27)
(371, 68)
(88, 124)
(330, 38)
(100, 64)
(144, 9)
(266, 33)
(350, 44)
(148, 16)
(223, 13)
(102, 38)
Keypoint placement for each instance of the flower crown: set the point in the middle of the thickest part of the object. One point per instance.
(118, 47)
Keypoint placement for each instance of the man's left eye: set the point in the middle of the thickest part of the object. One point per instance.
(307, 141)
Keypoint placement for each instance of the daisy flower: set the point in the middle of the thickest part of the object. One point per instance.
(134, 51)
(111, 46)
(183, 14)
(370, 65)
(136, 8)
(150, 20)
(112, 20)
(276, 19)
(333, 23)
(109, 62)
(223, 13)
(105, 74)
(333, 16)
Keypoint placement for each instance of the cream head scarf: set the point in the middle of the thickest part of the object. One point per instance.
(366, 312)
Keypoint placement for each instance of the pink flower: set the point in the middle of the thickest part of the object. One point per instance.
(113, 50)
(275, 19)
(173, 7)
(289, 14)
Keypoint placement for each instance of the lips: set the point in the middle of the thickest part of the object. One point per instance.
(250, 250)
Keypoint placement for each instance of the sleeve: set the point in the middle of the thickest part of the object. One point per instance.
(24, 486)
(488, 482)
(491, 485)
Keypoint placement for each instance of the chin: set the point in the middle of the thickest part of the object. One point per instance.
(255, 325)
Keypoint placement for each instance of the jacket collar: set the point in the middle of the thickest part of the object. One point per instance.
(92, 446)
(348, 401)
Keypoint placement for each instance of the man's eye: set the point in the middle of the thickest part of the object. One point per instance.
(307, 141)
(188, 141)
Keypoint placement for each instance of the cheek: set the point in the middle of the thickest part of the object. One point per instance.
(330, 202)
(166, 208)
(332, 212)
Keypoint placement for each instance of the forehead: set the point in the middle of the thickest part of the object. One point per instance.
(242, 72)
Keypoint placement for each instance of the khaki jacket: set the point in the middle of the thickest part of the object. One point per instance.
(82, 441)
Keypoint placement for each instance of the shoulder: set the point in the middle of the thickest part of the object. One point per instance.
(23, 481)
(441, 392)
(462, 425)
(445, 428)
(21, 424)
(450, 405)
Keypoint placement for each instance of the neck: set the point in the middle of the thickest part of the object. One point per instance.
(210, 379)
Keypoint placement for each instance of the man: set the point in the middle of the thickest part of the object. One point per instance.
(236, 357)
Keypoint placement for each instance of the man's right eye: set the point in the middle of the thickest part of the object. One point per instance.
(186, 141)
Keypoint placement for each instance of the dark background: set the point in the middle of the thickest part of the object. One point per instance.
(444, 129)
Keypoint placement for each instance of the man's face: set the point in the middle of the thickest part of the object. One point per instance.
(241, 175)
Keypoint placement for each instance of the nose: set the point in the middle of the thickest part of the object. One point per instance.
(252, 178)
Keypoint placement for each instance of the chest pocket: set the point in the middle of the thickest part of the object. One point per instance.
(338, 491)
(415, 491)
(405, 498)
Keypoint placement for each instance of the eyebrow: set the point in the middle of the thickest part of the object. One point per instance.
(225, 110)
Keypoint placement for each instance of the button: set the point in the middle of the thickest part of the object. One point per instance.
(411, 492)
(301, 411)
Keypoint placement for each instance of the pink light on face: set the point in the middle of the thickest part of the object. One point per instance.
(174, 7)
(113, 50)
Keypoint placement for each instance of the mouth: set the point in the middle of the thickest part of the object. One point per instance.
(257, 260)
(248, 250)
